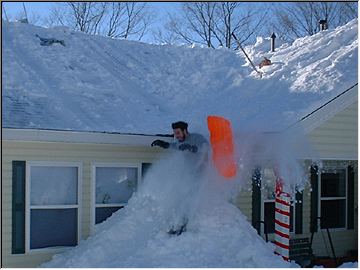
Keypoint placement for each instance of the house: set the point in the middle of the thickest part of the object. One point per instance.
(333, 191)
(62, 176)
(40, 212)
(36, 220)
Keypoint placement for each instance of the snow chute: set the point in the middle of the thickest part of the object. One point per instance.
(221, 140)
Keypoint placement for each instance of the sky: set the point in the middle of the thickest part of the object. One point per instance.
(12, 9)
(42, 9)
(161, 10)
(38, 11)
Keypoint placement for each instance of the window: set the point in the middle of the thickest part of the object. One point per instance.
(113, 186)
(53, 204)
(333, 194)
(268, 197)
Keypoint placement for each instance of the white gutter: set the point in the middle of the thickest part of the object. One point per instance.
(37, 135)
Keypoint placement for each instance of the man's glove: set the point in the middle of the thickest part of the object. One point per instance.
(160, 143)
(186, 146)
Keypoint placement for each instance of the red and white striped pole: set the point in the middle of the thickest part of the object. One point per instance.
(282, 219)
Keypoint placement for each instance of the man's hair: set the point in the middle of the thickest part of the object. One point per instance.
(180, 124)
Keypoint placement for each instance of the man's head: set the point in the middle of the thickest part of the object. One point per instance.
(180, 130)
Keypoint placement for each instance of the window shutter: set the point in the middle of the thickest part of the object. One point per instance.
(256, 199)
(298, 212)
(314, 199)
(144, 168)
(350, 199)
(18, 207)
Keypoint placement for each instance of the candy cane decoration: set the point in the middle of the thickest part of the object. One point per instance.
(282, 219)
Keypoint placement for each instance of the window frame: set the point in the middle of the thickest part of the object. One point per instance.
(94, 165)
(28, 206)
(329, 169)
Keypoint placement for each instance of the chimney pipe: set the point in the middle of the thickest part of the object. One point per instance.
(273, 42)
(323, 25)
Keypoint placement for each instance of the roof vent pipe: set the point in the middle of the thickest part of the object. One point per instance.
(273, 42)
(323, 25)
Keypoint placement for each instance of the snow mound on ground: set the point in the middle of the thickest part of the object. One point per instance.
(218, 234)
(100, 84)
(349, 265)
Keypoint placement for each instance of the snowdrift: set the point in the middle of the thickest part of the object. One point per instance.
(218, 234)
(99, 84)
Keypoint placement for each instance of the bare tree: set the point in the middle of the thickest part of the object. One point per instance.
(212, 23)
(87, 15)
(5, 14)
(294, 20)
(165, 35)
(127, 19)
(201, 17)
(116, 17)
(225, 12)
(137, 20)
(81, 16)
(113, 19)
(348, 12)
(235, 18)
(57, 16)
(195, 24)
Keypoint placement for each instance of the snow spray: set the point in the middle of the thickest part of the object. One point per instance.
(284, 152)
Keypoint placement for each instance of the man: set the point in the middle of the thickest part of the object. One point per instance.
(192, 142)
(196, 147)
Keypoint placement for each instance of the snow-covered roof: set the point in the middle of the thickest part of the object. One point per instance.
(95, 83)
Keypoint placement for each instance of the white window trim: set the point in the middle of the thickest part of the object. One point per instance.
(28, 207)
(94, 165)
(330, 169)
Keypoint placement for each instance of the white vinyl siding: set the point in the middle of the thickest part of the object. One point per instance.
(86, 154)
(337, 138)
(243, 202)
(336, 142)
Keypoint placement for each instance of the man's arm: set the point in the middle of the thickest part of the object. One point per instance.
(161, 144)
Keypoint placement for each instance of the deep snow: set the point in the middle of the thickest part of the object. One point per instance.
(218, 234)
(101, 84)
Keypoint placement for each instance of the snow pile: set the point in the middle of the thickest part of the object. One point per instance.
(218, 234)
(349, 265)
(100, 84)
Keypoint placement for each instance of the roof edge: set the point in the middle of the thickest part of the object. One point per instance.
(86, 137)
(329, 109)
